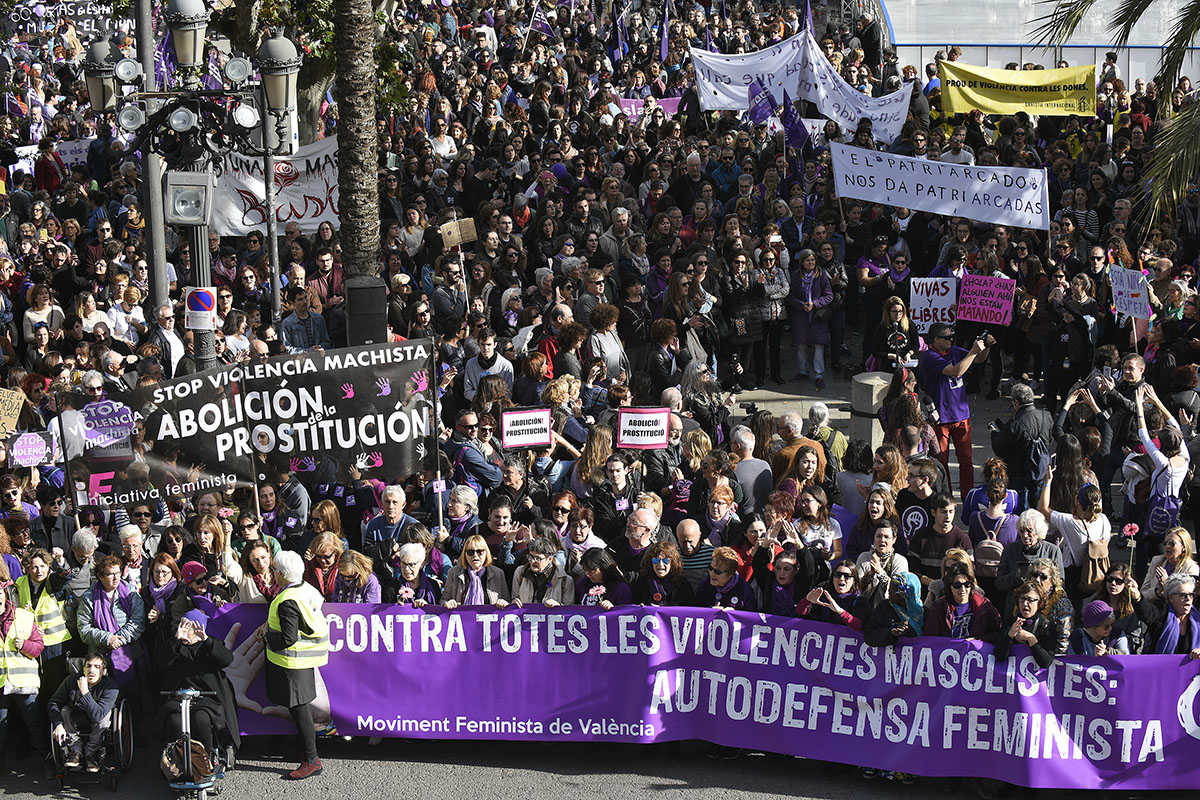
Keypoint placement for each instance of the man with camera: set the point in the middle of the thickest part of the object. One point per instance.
(941, 372)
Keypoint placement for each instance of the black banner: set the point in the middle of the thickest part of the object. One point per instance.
(319, 415)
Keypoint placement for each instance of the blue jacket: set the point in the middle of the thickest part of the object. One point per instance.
(296, 338)
(474, 464)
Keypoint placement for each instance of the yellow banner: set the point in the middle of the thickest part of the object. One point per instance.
(1050, 92)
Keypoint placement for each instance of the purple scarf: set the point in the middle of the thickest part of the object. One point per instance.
(474, 595)
(159, 595)
(1169, 639)
(102, 615)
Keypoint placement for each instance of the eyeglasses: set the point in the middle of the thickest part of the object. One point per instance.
(475, 551)
(843, 574)
(961, 585)
(141, 515)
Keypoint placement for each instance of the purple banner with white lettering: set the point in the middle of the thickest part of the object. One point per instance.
(936, 707)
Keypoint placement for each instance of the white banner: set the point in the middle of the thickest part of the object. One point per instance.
(306, 191)
(72, 152)
(1002, 195)
(932, 300)
(526, 428)
(798, 65)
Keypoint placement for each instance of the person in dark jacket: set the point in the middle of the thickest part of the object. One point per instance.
(616, 498)
(196, 660)
(965, 612)
(80, 710)
(725, 588)
(660, 581)
(783, 583)
(838, 601)
(893, 610)
(665, 359)
(1028, 627)
(1029, 427)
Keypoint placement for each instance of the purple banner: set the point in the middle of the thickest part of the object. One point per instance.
(936, 707)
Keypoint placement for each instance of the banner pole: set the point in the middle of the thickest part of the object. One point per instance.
(68, 480)
(437, 422)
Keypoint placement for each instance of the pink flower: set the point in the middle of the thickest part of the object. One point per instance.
(1130, 530)
(596, 590)
(406, 594)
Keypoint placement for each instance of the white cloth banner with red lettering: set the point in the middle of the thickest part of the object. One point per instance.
(306, 191)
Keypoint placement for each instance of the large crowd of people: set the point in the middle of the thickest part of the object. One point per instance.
(653, 259)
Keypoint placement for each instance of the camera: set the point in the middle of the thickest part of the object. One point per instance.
(750, 408)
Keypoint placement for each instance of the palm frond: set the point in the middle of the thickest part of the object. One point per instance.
(1173, 165)
(1127, 15)
(1058, 25)
(1184, 29)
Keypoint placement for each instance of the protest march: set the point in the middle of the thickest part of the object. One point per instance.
(720, 378)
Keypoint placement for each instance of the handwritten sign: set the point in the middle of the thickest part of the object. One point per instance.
(643, 428)
(987, 299)
(458, 231)
(1129, 293)
(932, 300)
(525, 427)
(10, 408)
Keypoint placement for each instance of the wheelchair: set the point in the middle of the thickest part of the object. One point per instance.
(183, 750)
(116, 746)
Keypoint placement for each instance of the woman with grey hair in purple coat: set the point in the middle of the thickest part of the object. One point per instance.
(808, 303)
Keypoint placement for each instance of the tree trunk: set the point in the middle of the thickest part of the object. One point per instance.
(309, 98)
(354, 90)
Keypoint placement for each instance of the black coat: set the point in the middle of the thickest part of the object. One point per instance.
(680, 593)
(1043, 651)
(289, 687)
(202, 666)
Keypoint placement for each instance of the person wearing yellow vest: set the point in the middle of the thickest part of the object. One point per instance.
(297, 644)
(20, 646)
(36, 591)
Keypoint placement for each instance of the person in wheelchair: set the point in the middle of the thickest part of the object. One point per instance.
(80, 711)
(195, 660)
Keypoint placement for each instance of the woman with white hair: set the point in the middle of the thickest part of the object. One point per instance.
(1030, 546)
(297, 644)
(1177, 631)
(415, 587)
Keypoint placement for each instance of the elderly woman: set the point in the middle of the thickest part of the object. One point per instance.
(112, 618)
(540, 579)
(1177, 631)
(475, 581)
(462, 510)
(1030, 546)
(195, 660)
(416, 587)
(321, 563)
(725, 588)
(297, 642)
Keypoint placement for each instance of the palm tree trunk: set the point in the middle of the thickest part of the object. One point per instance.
(354, 90)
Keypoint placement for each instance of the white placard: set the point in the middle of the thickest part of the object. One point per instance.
(643, 428)
(306, 191)
(932, 300)
(1003, 195)
(1130, 294)
(526, 427)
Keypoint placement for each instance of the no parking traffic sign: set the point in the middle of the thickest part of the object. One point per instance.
(200, 309)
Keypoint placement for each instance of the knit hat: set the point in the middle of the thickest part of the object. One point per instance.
(193, 571)
(1096, 613)
(197, 616)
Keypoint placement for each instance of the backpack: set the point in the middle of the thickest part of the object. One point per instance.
(1162, 512)
(1091, 576)
(988, 551)
(464, 478)
(174, 767)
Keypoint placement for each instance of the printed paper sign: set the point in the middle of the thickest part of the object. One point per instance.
(528, 427)
(1002, 195)
(32, 449)
(986, 298)
(643, 428)
(1130, 294)
(932, 300)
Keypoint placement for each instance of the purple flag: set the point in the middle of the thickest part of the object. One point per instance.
(708, 39)
(793, 128)
(933, 706)
(165, 63)
(541, 23)
(807, 16)
(761, 102)
(666, 24)
(619, 27)
(213, 80)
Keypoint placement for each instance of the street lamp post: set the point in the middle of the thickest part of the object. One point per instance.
(195, 128)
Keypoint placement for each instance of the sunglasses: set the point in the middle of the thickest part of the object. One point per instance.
(842, 574)
(961, 585)
(660, 560)
(562, 510)
(476, 552)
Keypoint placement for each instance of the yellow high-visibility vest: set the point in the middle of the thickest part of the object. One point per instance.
(48, 613)
(16, 669)
(310, 650)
